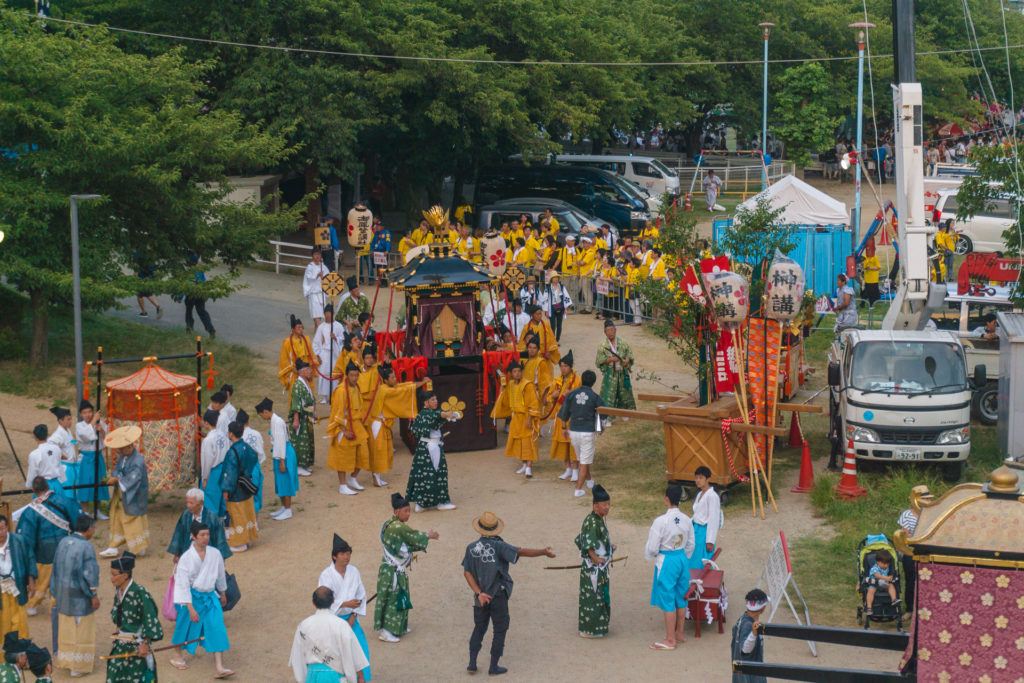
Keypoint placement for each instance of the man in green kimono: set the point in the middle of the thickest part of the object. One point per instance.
(21, 654)
(400, 541)
(428, 477)
(353, 302)
(137, 619)
(300, 417)
(615, 360)
(596, 552)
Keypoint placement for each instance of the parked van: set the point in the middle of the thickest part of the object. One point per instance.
(647, 172)
(596, 192)
(981, 232)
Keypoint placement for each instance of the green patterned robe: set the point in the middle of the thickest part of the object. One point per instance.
(9, 673)
(427, 487)
(350, 308)
(616, 388)
(595, 598)
(303, 403)
(135, 613)
(393, 601)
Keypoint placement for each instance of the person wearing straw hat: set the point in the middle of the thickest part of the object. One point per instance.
(129, 524)
(596, 549)
(137, 620)
(485, 565)
(670, 543)
(747, 641)
(399, 541)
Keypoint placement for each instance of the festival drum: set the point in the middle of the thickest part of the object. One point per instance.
(360, 227)
(163, 405)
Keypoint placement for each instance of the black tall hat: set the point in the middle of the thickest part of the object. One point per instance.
(211, 416)
(351, 282)
(340, 545)
(294, 321)
(299, 364)
(125, 563)
(242, 417)
(567, 359)
(85, 405)
(265, 404)
(398, 502)
(600, 495)
(60, 413)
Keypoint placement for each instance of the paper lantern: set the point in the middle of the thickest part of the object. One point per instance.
(163, 405)
(360, 227)
(495, 253)
(729, 296)
(784, 289)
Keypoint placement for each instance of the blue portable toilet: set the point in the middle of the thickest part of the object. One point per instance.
(821, 229)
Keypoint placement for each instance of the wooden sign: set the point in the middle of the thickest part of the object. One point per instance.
(322, 235)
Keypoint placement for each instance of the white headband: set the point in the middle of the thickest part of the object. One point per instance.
(757, 606)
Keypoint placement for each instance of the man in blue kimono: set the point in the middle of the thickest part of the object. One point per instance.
(240, 525)
(75, 587)
(44, 522)
(197, 511)
(17, 579)
(130, 500)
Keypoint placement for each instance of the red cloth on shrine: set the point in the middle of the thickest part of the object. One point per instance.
(494, 361)
(394, 341)
(405, 368)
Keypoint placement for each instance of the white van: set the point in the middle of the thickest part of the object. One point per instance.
(647, 172)
(982, 232)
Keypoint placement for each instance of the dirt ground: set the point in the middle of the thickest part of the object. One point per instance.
(279, 573)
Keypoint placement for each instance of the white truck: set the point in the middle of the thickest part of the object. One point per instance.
(902, 396)
(901, 393)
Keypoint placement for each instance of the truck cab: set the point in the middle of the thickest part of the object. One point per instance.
(901, 397)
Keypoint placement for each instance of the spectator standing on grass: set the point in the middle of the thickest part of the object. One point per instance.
(711, 186)
(197, 303)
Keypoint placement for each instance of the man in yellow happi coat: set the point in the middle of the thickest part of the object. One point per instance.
(295, 346)
(352, 352)
(561, 447)
(384, 400)
(537, 369)
(349, 450)
(539, 327)
(518, 399)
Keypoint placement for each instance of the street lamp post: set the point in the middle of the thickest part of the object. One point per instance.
(76, 286)
(766, 30)
(862, 27)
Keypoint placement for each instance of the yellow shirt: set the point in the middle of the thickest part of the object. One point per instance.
(658, 271)
(420, 236)
(554, 226)
(517, 234)
(405, 244)
(601, 243)
(570, 264)
(587, 262)
(871, 268)
(460, 212)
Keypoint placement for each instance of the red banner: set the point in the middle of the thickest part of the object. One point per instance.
(406, 368)
(494, 361)
(393, 341)
(726, 367)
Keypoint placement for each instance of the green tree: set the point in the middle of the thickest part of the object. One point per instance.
(752, 241)
(802, 112)
(78, 115)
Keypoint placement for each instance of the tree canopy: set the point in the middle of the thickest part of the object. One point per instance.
(79, 115)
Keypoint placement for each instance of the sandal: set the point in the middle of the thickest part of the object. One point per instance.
(661, 646)
(179, 664)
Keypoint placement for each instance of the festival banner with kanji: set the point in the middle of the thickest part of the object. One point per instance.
(763, 349)
(726, 367)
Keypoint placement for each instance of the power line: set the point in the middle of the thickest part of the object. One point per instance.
(495, 62)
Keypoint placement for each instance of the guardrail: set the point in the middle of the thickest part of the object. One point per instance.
(290, 251)
(744, 180)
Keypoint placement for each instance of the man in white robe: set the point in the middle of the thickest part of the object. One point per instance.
(324, 643)
(311, 286)
(327, 345)
(45, 460)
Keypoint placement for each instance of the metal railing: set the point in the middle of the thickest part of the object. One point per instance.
(290, 251)
(737, 179)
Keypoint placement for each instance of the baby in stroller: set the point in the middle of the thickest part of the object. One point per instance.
(880, 576)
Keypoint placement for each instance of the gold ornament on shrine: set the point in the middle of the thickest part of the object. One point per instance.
(332, 285)
(514, 279)
(448, 329)
(455, 406)
(437, 217)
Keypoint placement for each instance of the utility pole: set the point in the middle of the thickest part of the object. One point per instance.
(766, 31)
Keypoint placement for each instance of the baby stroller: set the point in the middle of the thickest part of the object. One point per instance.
(883, 608)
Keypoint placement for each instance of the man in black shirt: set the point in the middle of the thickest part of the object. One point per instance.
(485, 566)
(579, 413)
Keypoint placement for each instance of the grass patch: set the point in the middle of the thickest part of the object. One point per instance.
(119, 339)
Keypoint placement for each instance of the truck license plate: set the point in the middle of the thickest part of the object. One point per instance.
(908, 454)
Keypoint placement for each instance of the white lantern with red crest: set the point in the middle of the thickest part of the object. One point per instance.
(359, 226)
(784, 288)
(730, 297)
(495, 253)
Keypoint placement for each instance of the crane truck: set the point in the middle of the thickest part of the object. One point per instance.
(901, 393)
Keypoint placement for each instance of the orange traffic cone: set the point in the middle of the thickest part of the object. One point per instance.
(687, 204)
(796, 437)
(806, 482)
(848, 486)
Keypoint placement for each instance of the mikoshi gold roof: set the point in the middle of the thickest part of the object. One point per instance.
(980, 524)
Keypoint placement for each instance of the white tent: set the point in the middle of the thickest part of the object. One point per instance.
(803, 204)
